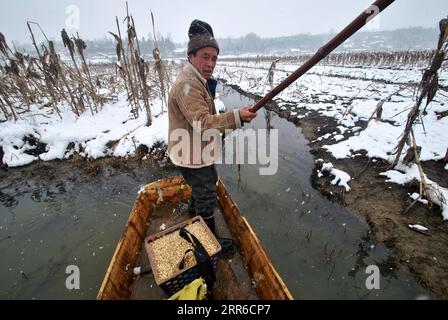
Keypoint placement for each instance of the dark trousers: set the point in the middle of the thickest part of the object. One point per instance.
(203, 196)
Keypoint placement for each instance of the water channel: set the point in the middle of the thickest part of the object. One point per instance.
(54, 214)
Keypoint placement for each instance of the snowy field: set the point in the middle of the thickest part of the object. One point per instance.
(351, 95)
(88, 135)
(348, 94)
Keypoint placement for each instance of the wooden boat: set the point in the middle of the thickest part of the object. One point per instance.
(120, 281)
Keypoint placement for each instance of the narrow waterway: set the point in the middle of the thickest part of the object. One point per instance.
(55, 214)
(321, 249)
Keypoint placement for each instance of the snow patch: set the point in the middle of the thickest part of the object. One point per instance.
(437, 194)
(416, 196)
(418, 227)
(378, 139)
(341, 178)
(219, 105)
(112, 123)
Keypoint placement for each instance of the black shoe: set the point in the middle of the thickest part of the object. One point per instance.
(209, 219)
(190, 209)
(227, 245)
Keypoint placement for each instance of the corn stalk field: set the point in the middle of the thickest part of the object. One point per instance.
(388, 105)
(379, 59)
(55, 104)
(42, 78)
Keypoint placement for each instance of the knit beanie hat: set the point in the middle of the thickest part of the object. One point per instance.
(201, 36)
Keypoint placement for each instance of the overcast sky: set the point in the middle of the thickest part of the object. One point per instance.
(229, 18)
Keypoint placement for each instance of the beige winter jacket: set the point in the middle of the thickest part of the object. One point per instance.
(192, 113)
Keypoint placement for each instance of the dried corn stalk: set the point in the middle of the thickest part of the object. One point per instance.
(45, 80)
(427, 88)
(160, 68)
(133, 69)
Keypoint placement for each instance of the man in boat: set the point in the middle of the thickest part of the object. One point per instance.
(191, 110)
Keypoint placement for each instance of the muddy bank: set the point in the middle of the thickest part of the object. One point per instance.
(385, 206)
(40, 176)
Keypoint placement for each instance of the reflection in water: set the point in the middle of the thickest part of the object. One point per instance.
(368, 249)
(8, 200)
(267, 117)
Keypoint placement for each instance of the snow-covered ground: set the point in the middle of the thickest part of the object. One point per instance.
(351, 94)
(87, 135)
(397, 75)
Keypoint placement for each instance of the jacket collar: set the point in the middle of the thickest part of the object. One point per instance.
(209, 84)
(191, 69)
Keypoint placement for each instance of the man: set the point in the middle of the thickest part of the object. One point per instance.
(191, 112)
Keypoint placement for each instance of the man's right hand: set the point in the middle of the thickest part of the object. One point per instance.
(245, 114)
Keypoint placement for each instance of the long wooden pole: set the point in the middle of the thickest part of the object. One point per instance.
(377, 7)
